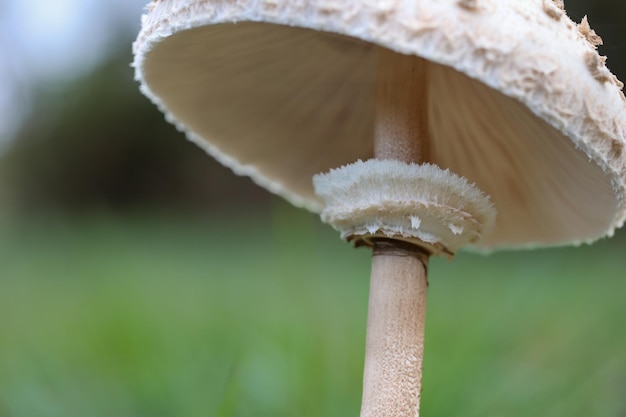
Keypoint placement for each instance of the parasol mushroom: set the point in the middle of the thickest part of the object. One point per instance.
(406, 124)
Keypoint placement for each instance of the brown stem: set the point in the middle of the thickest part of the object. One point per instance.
(401, 130)
(395, 332)
(397, 306)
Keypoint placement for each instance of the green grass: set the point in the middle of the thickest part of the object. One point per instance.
(230, 316)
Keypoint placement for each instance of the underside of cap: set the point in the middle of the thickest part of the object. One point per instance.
(282, 90)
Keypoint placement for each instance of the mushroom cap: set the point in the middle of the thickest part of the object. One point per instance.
(283, 90)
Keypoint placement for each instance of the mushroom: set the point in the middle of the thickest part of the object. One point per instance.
(406, 124)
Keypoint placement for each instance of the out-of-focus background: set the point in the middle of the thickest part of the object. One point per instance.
(140, 278)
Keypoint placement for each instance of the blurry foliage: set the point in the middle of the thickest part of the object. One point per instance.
(139, 317)
(97, 142)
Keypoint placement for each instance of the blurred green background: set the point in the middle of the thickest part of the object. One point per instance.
(140, 278)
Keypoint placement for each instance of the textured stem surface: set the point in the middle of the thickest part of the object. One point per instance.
(395, 333)
(401, 102)
(397, 306)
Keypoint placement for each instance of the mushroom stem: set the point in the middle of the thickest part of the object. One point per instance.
(397, 306)
(401, 130)
(395, 331)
